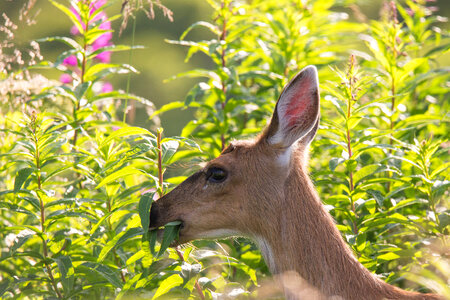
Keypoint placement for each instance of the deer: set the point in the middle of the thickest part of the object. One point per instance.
(261, 189)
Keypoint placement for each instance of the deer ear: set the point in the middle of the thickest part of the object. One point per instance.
(297, 111)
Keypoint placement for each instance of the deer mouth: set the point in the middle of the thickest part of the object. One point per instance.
(161, 229)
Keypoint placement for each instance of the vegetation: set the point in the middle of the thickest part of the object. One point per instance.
(78, 182)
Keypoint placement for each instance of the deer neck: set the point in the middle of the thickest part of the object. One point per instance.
(309, 247)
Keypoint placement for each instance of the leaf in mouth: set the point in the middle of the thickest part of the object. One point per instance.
(170, 234)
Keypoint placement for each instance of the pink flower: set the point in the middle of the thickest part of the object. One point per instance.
(74, 30)
(107, 87)
(104, 57)
(65, 78)
(70, 61)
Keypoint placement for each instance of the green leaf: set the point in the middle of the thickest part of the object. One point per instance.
(74, 18)
(101, 70)
(334, 162)
(135, 257)
(151, 237)
(388, 256)
(167, 284)
(127, 171)
(81, 89)
(21, 177)
(16, 208)
(4, 286)
(168, 107)
(112, 48)
(378, 197)
(125, 131)
(67, 272)
(111, 275)
(145, 204)
(365, 172)
(119, 240)
(170, 234)
(168, 150)
(20, 239)
(68, 41)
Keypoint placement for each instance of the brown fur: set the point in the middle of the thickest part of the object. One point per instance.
(283, 209)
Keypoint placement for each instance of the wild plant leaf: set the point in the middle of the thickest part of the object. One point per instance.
(81, 89)
(112, 48)
(377, 195)
(67, 272)
(118, 240)
(21, 238)
(145, 204)
(135, 257)
(168, 150)
(388, 256)
(334, 162)
(167, 284)
(168, 107)
(107, 272)
(17, 208)
(21, 177)
(125, 131)
(103, 69)
(170, 235)
(213, 28)
(4, 286)
(365, 172)
(70, 14)
(127, 171)
(68, 41)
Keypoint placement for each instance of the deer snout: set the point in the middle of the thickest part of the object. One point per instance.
(163, 212)
(155, 216)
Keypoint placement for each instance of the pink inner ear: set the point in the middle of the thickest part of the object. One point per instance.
(297, 104)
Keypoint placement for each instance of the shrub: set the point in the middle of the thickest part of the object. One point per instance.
(78, 183)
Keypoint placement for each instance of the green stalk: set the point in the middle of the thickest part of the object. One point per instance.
(83, 71)
(42, 210)
(161, 193)
(223, 36)
(351, 81)
(129, 74)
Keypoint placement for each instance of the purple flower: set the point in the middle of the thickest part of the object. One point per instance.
(104, 57)
(107, 87)
(102, 41)
(65, 78)
(70, 61)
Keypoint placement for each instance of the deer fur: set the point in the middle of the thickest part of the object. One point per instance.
(268, 196)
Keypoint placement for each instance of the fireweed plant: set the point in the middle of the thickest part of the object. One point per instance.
(78, 182)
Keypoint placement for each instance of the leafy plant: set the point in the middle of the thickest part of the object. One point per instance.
(78, 183)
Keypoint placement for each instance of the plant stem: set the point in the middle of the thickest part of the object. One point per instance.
(161, 192)
(351, 81)
(42, 212)
(116, 259)
(129, 74)
(160, 169)
(83, 71)
(223, 36)
(393, 91)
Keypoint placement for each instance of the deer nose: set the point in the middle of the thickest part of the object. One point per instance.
(155, 216)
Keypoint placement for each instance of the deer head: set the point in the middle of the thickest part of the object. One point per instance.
(261, 189)
(241, 190)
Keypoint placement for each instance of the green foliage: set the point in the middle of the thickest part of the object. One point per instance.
(78, 183)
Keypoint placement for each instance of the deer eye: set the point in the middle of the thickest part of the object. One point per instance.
(216, 175)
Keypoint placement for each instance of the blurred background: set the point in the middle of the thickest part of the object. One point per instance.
(158, 60)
